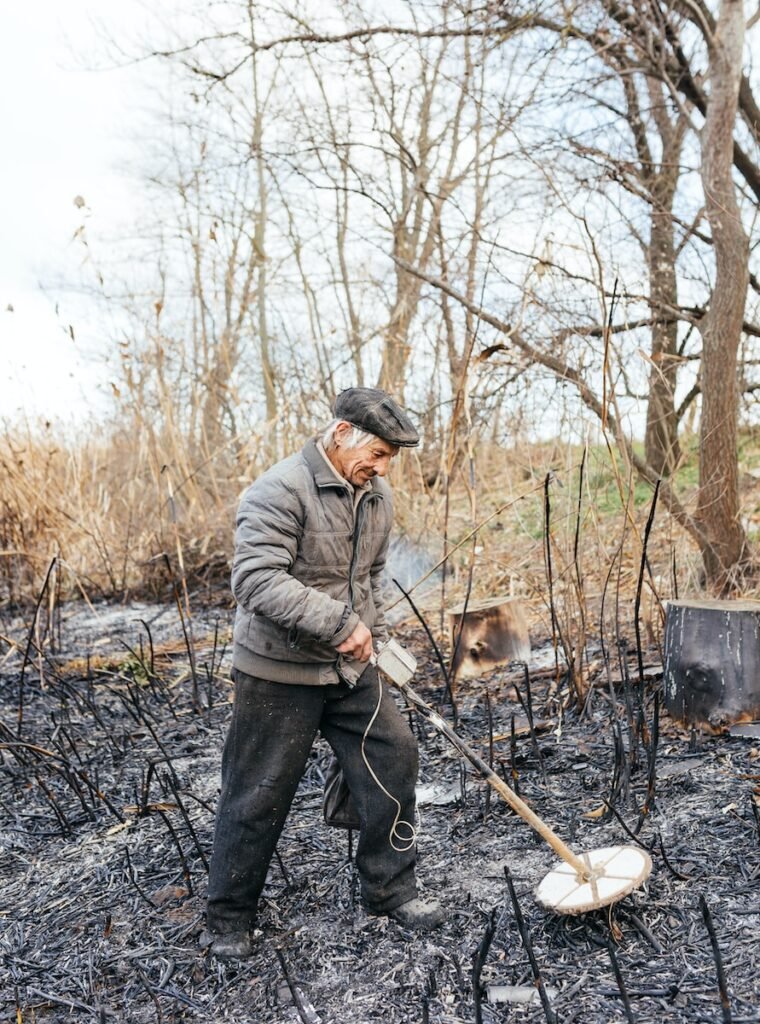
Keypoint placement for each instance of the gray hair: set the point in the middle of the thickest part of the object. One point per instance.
(355, 437)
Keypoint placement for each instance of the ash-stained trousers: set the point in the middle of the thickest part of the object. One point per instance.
(271, 734)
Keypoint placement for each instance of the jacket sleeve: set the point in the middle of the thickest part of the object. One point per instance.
(270, 523)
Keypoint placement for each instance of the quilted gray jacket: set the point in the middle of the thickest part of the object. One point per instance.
(307, 567)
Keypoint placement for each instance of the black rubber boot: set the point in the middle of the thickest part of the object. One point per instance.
(228, 945)
(420, 915)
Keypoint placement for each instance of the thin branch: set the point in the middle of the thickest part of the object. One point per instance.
(545, 357)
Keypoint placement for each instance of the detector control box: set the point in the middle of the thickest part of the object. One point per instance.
(395, 662)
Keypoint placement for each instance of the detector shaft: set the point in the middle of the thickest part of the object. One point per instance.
(514, 801)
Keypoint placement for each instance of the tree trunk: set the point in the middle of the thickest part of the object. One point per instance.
(409, 243)
(711, 665)
(397, 349)
(661, 439)
(718, 501)
(660, 182)
(488, 634)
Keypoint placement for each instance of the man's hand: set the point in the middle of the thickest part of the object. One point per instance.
(359, 644)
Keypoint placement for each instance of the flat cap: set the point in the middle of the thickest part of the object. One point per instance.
(373, 410)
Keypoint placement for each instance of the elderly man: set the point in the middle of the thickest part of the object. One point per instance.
(311, 541)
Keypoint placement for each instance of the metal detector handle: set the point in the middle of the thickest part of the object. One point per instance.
(514, 801)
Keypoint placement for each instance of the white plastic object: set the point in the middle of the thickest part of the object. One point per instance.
(396, 662)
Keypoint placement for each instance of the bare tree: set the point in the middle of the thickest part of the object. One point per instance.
(392, 151)
(661, 181)
(655, 177)
(721, 327)
(660, 35)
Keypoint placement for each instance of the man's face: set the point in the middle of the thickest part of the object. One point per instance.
(358, 465)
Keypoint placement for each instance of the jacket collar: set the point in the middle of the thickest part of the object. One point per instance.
(324, 475)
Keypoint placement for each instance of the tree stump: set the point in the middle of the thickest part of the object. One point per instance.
(711, 664)
(493, 633)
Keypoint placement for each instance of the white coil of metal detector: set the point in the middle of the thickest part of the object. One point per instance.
(614, 872)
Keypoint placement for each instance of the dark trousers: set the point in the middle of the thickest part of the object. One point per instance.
(272, 732)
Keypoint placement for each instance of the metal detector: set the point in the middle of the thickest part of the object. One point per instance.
(578, 883)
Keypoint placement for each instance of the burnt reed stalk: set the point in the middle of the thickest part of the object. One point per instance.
(620, 983)
(528, 945)
(133, 879)
(632, 758)
(527, 706)
(581, 697)
(676, 874)
(558, 638)
(29, 644)
(617, 764)
(756, 813)
(489, 713)
(294, 990)
(641, 727)
(186, 874)
(513, 755)
(186, 633)
(652, 774)
(168, 780)
(643, 564)
(460, 628)
(150, 645)
(449, 693)
(478, 962)
(721, 974)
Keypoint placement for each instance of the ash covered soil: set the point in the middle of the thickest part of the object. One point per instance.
(109, 774)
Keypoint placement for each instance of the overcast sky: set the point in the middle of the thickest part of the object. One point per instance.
(66, 133)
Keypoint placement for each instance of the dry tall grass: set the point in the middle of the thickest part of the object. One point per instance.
(587, 566)
(116, 508)
(130, 512)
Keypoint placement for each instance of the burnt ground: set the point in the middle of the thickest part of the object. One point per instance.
(107, 795)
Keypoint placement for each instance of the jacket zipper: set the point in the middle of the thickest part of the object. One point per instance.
(358, 527)
(361, 515)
